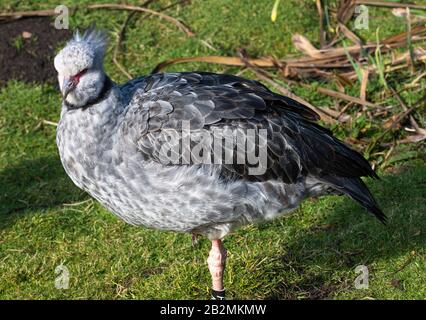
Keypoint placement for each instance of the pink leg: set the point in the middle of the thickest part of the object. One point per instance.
(216, 263)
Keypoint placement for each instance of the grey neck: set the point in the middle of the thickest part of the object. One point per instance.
(103, 94)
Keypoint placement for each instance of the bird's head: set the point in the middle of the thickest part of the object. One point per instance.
(80, 67)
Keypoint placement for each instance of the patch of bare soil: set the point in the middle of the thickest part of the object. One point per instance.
(27, 49)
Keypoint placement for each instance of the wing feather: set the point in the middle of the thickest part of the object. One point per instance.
(296, 145)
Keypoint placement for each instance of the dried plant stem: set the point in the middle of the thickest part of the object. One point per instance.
(364, 82)
(25, 14)
(123, 29)
(391, 4)
(322, 32)
(343, 96)
(230, 61)
(405, 108)
(264, 76)
(397, 120)
(161, 15)
(119, 45)
(50, 123)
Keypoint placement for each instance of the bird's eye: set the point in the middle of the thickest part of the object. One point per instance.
(78, 75)
(81, 72)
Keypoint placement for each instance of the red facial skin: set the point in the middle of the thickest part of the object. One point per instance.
(76, 78)
(72, 83)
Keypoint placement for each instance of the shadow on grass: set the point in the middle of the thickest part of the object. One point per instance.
(33, 185)
(337, 239)
(347, 237)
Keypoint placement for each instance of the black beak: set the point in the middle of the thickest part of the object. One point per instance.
(67, 86)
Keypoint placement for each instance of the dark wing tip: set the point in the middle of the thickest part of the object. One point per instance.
(378, 213)
(374, 175)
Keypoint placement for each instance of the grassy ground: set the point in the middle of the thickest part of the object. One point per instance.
(311, 254)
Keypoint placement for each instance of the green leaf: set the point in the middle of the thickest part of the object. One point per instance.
(275, 10)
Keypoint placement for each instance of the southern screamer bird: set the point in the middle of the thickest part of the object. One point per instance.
(195, 152)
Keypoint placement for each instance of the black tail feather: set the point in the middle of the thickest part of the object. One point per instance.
(357, 190)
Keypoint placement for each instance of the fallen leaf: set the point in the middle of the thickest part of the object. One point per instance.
(399, 12)
(304, 45)
(26, 34)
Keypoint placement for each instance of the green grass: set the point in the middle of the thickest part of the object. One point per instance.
(310, 254)
(18, 43)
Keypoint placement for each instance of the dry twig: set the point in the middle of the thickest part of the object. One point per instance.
(322, 32)
(401, 116)
(264, 76)
(161, 15)
(26, 14)
(119, 44)
(405, 108)
(389, 4)
(230, 61)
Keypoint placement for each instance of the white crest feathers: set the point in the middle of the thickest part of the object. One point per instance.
(96, 39)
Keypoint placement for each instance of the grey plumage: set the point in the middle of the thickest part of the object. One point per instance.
(110, 146)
